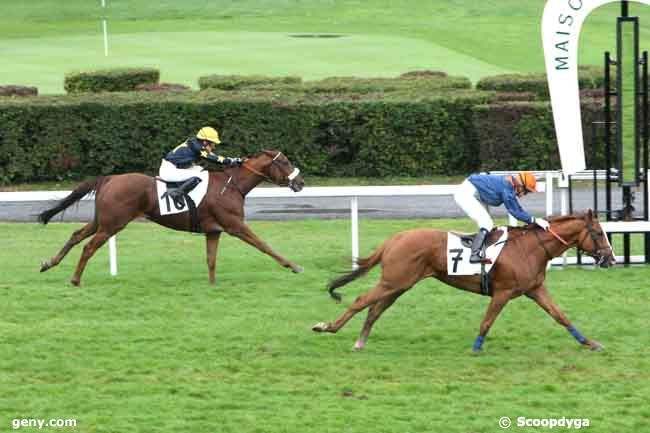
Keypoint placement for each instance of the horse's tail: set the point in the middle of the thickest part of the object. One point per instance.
(76, 195)
(363, 266)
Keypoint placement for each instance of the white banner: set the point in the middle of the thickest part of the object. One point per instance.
(561, 24)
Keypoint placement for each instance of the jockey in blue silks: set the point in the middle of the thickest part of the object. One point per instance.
(479, 190)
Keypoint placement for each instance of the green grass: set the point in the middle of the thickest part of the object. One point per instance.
(156, 349)
(41, 40)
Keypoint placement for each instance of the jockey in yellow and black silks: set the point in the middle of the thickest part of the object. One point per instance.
(179, 165)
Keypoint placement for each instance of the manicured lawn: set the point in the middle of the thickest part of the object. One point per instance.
(41, 40)
(156, 349)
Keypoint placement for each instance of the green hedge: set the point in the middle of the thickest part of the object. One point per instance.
(18, 91)
(422, 81)
(589, 77)
(238, 82)
(110, 80)
(52, 138)
(521, 135)
(352, 85)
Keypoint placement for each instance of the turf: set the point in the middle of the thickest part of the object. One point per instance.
(156, 349)
(41, 40)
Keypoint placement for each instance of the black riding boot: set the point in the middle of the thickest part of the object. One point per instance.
(184, 188)
(477, 246)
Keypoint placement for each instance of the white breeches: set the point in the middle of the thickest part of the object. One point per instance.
(171, 173)
(467, 198)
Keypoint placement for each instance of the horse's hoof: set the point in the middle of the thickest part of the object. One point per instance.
(358, 346)
(45, 266)
(596, 347)
(296, 269)
(476, 351)
(319, 327)
(75, 283)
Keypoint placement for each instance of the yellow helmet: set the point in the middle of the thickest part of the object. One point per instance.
(208, 133)
(528, 180)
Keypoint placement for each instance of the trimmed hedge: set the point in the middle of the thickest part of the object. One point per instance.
(589, 77)
(162, 87)
(12, 90)
(422, 124)
(353, 85)
(521, 135)
(423, 81)
(52, 138)
(238, 82)
(110, 80)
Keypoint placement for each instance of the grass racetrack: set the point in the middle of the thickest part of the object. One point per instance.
(156, 349)
(41, 40)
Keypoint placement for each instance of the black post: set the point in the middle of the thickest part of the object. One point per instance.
(608, 137)
(625, 8)
(594, 142)
(645, 138)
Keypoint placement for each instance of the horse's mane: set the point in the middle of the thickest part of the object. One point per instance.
(255, 154)
(258, 153)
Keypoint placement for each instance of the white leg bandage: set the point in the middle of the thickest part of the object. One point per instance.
(467, 198)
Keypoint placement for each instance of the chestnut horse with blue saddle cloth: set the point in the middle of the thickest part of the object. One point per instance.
(520, 269)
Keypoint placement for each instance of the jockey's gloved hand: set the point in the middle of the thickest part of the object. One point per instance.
(232, 161)
(542, 223)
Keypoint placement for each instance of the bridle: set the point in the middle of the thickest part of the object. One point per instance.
(595, 235)
(290, 177)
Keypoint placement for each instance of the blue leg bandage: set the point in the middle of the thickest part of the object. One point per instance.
(478, 343)
(581, 338)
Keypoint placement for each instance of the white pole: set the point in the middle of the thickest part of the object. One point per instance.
(112, 255)
(105, 26)
(354, 220)
(549, 193)
(564, 200)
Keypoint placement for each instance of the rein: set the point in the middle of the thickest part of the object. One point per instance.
(290, 177)
(558, 237)
(578, 243)
(252, 170)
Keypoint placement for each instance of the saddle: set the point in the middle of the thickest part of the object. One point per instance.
(179, 202)
(459, 250)
(468, 238)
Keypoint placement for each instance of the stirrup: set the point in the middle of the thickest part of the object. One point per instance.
(473, 258)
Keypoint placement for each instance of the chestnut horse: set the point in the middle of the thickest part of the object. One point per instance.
(412, 255)
(121, 198)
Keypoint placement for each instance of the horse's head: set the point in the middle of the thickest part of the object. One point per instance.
(593, 241)
(275, 167)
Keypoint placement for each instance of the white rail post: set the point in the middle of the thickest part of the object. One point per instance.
(112, 255)
(354, 221)
(563, 184)
(549, 193)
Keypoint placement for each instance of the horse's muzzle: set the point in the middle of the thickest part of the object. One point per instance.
(297, 184)
(606, 261)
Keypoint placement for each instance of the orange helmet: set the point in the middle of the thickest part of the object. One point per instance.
(528, 180)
